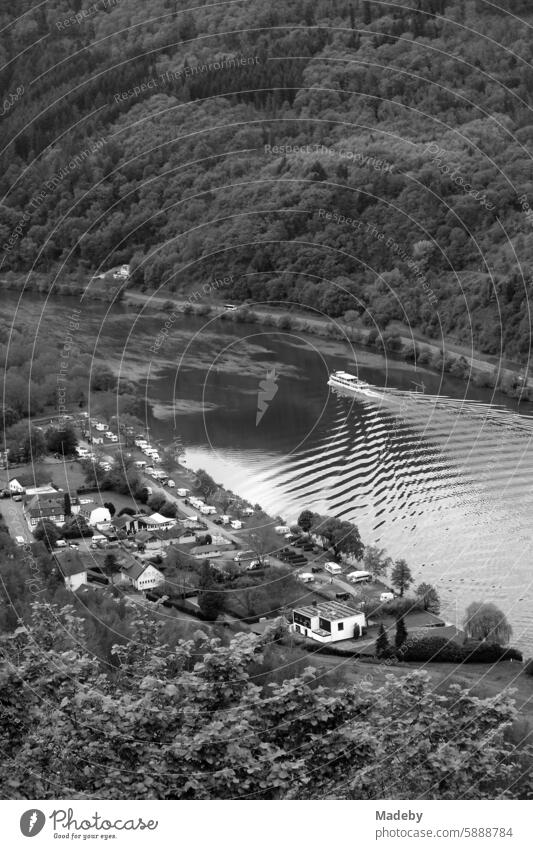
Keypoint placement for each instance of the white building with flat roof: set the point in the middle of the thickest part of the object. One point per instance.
(328, 622)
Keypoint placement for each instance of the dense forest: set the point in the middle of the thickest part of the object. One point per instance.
(191, 722)
(343, 155)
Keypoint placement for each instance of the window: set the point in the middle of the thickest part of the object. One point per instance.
(325, 624)
(340, 626)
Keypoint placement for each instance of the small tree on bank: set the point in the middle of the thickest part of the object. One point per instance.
(401, 632)
(382, 643)
(429, 597)
(376, 561)
(401, 577)
(484, 621)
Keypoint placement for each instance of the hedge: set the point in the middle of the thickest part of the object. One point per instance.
(434, 648)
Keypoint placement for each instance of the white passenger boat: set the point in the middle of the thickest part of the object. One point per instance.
(346, 382)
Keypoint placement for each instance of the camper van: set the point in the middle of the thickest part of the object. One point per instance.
(306, 577)
(359, 577)
(333, 568)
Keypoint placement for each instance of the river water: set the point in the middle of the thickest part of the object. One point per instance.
(441, 477)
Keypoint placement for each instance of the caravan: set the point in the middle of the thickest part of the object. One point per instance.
(333, 568)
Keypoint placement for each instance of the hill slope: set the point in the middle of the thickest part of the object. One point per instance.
(362, 156)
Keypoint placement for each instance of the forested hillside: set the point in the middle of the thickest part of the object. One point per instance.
(165, 137)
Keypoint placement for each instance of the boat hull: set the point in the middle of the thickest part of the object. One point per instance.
(355, 390)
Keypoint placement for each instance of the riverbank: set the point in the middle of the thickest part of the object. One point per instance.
(457, 360)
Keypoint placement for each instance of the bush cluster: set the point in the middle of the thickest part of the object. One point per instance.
(434, 648)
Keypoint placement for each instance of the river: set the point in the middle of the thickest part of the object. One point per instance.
(442, 477)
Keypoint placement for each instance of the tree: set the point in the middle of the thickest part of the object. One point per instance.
(343, 537)
(62, 440)
(382, 643)
(261, 539)
(376, 561)
(156, 501)
(76, 527)
(401, 577)
(484, 621)
(111, 566)
(67, 504)
(111, 507)
(169, 509)
(210, 600)
(48, 532)
(429, 597)
(401, 632)
(126, 511)
(306, 519)
(168, 709)
(102, 379)
(25, 443)
(205, 484)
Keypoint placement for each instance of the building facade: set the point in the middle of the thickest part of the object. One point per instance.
(328, 622)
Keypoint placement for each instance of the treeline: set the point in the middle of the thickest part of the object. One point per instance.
(372, 158)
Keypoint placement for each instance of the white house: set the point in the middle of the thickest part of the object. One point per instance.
(143, 576)
(15, 487)
(72, 568)
(99, 516)
(328, 622)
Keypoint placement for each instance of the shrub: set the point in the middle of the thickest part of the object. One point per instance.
(528, 668)
(435, 648)
(402, 606)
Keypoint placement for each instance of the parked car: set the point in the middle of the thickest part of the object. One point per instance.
(316, 569)
(73, 545)
(61, 543)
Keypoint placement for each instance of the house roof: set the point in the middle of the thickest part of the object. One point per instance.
(158, 519)
(207, 549)
(100, 514)
(331, 610)
(45, 505)
(70, 562)
(136, 570)
(120, 522)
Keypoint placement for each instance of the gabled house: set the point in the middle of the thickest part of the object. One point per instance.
(15, 487)
(128, 524)
(328, 622)
(143, 576)
(72, 568)
(148, 540)
(41, 507)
